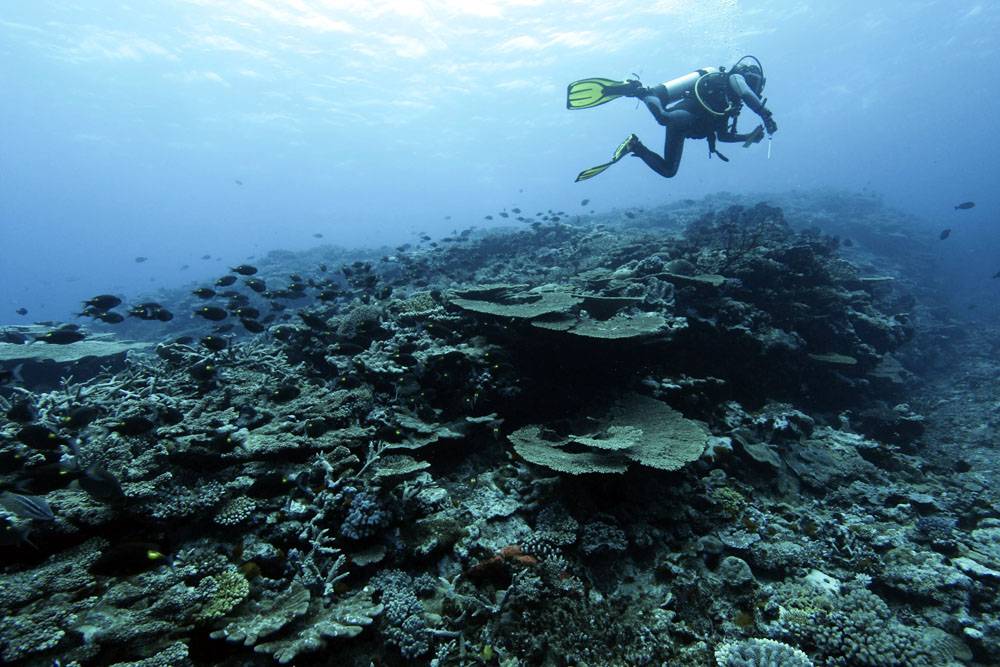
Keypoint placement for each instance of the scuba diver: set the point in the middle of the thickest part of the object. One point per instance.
(704, 104)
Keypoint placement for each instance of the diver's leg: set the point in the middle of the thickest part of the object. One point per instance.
(655, 99)
(673, 149)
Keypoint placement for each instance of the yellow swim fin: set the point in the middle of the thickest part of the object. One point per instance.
(593, 171)
(592, 92)
(624, 148)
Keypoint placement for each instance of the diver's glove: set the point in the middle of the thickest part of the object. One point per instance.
(754, 137)
(769, 123)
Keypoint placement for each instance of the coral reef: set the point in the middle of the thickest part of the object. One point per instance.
(708, 433)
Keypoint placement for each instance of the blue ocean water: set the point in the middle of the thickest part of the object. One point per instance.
(172, 130)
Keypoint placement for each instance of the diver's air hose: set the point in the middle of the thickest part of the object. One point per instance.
(702, 102)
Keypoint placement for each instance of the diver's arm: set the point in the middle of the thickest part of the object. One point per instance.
(754, 103)
(734, 138)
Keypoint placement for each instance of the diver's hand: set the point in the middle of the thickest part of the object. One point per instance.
(769, 123)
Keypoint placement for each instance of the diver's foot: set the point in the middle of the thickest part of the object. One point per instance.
(627, 88)
(625, 147)
(634, 88)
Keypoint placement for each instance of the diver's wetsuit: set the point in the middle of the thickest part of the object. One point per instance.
(674, 105)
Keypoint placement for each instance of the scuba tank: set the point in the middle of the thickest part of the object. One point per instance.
(706, 85)
(683, 85)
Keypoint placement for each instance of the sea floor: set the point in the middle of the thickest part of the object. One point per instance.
(738, 431)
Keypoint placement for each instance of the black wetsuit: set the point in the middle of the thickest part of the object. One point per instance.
(684, 117)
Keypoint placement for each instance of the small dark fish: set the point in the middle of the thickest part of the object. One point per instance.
(61, 337)
(203, 371)
(504, 214)
(488, 217)
(21, 311)
(323, 268)
(247, 313)
(169, 415)
(127, 559)
(847, 243)
(140, 260)
(28, 507)
(12, 535)
(214, 343)
(213, 313)
(945, 233)
(204, 292)
(103, 302)
(237, 302)
(965, 206)
(90, 311)
(328, 294)
(22, 411)
(317, 235)
(100, 483)
(185, 267)
(80, 416)
(223, 328)
(206, 257)
(253, 326)
(584, 202)
(284, 393)
(629, 214)
(238, 182)
(39, 437)
(244, 270)
(13, 337)
(225, 281)
(515, 210)
(296, 278)
(313, 321)
(997, 274)
(283, 332)
(134, 425)
(109, 318)
(42, 479)
(256, 284)
(150, 310)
